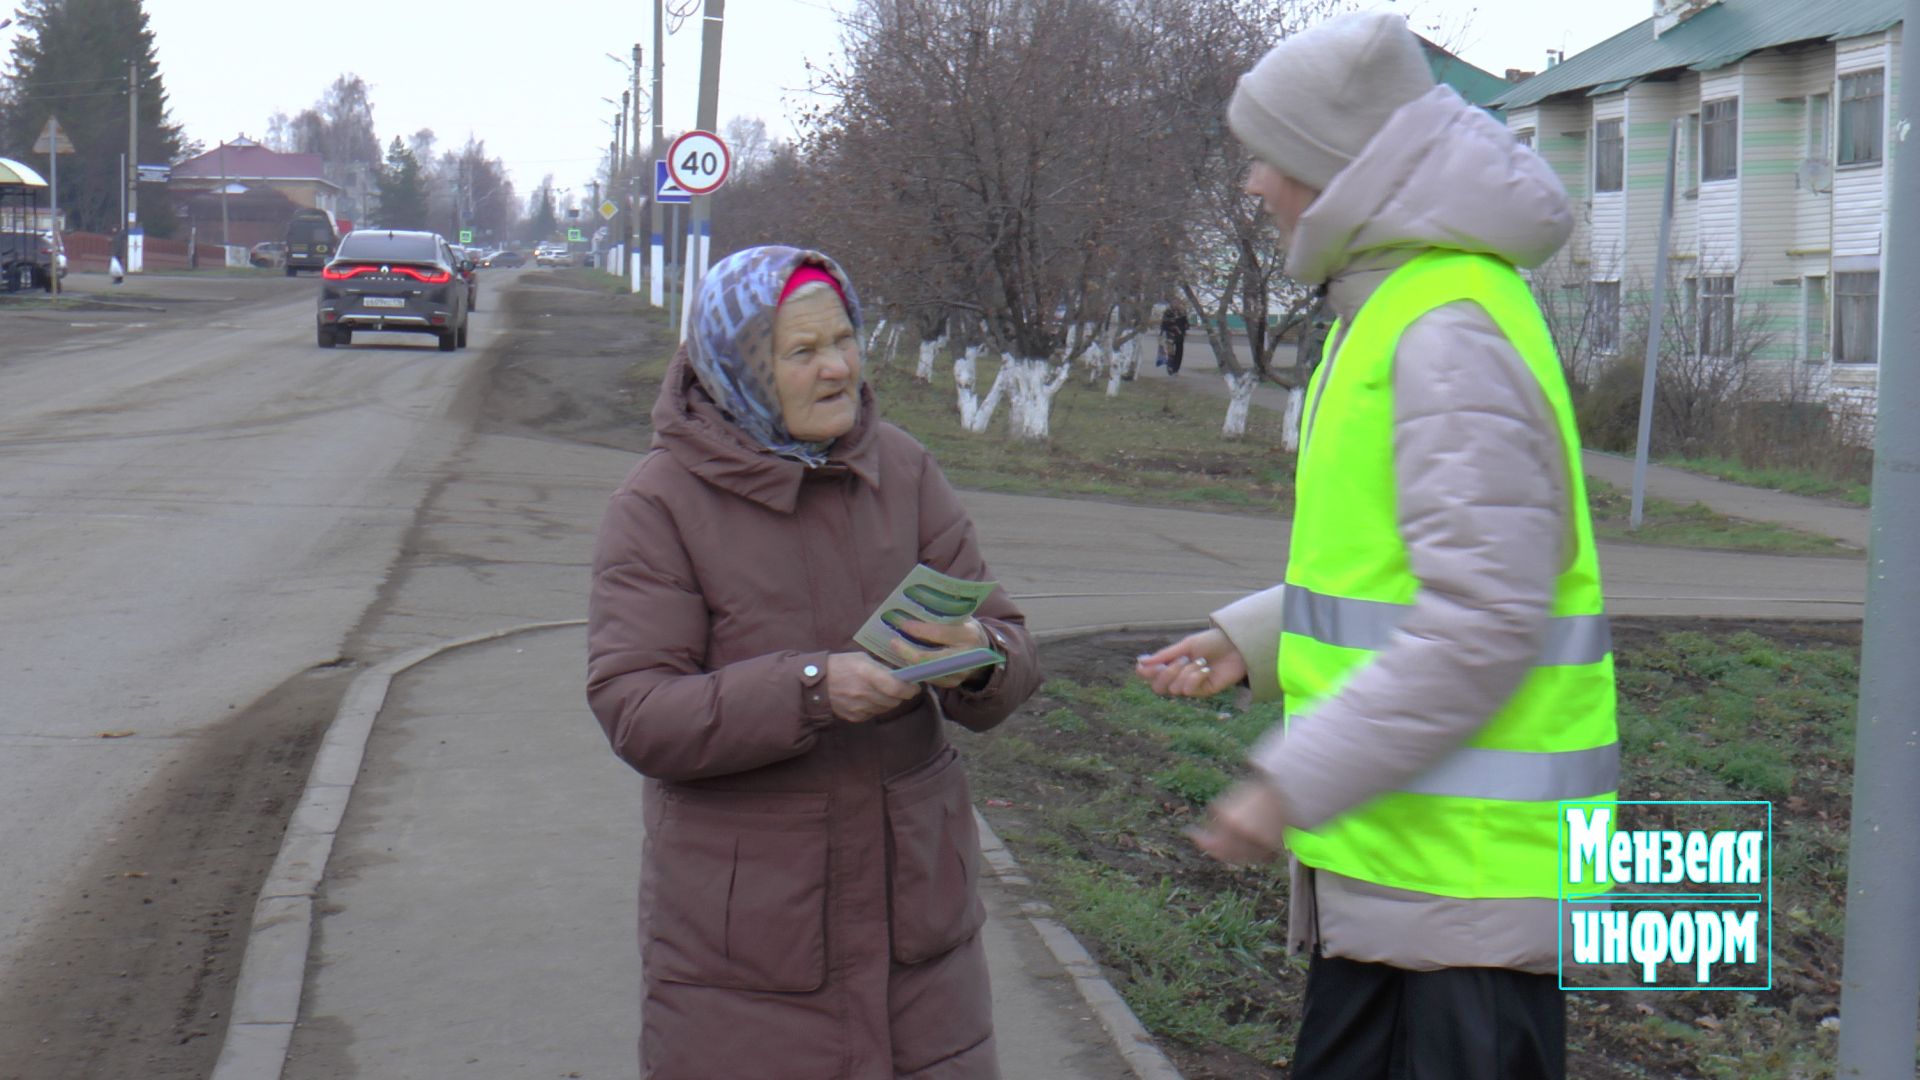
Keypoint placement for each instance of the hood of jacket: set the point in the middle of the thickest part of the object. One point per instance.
(1440, 174)
(697, 433)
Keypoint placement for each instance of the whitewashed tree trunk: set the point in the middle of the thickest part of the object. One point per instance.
(929, 351)
(873, 339)
(976, 412)
(1116, 367)
(1290, 430)
(1241, 388)
(1030, 403)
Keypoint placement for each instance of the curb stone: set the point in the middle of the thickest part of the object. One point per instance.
(273, 967)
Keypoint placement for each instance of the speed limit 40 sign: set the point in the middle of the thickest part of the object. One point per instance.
(699, 162)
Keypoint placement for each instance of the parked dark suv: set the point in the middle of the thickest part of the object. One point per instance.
(393, 281)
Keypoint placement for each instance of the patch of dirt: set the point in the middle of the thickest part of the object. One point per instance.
(565, 368)
(134, 976)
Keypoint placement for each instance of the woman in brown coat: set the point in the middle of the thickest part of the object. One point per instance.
(808, 903)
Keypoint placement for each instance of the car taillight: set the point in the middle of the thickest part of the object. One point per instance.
(337, 272)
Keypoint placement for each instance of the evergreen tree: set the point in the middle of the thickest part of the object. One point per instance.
(403, 192)
(70, 61)
(542, 222)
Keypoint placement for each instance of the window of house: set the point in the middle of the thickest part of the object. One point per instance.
(1603, 312)
(1609, 155)
(1524, 137)
(1813, 320)
(1856, 318)
(1863, 107)
(1714, 313)
(1720, 140)
(1819, 133)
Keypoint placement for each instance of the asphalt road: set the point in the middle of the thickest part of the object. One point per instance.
(196, 505)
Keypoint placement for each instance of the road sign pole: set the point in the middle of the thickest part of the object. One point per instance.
(1880, 972)
(53, 195)
(709, 109)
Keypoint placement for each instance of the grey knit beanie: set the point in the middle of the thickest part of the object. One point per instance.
(1316, 99)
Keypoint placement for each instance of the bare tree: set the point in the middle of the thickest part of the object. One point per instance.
(1229, 258)
(1000, 154)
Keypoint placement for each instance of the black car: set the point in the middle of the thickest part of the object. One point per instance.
(312, 240)
(408, 282)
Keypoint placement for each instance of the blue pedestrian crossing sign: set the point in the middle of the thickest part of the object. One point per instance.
(664, 189)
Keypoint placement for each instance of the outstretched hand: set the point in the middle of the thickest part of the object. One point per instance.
(860, 688)
(1199, 665)
(1246, 825)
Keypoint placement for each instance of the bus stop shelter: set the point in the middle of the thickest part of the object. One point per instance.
(22, 245)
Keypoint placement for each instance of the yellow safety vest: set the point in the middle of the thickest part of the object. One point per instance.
(1485, 821)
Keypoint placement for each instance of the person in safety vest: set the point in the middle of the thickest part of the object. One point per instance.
(1439, 639)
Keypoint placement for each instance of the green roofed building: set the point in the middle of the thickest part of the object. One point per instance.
(1781, 194)
(1475, 84)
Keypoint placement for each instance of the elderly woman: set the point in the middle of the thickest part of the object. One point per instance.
(808, 903)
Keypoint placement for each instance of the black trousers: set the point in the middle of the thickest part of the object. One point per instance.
(1375, 1022)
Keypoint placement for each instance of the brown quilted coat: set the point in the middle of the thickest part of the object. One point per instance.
(808, 900)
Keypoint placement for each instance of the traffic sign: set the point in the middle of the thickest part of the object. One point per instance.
(699, 162)
(466, 236)
(608, 208)
(575, 235)
(52, 140)
(155, 174)
(664, 189)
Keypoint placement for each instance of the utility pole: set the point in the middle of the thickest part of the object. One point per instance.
(656, 247)
(1650, 378)
(637, 174)
(223, 202)
(1880, 965)
(133, 144)
(700, 236)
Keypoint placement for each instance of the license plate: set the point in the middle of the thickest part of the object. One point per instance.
(384, 301)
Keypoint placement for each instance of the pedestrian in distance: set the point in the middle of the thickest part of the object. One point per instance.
(808, 900)
(1439, 639)
(1173, 334)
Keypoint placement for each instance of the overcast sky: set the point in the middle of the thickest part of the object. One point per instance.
(529, 77)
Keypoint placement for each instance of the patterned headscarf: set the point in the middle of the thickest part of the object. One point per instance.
(731, 343)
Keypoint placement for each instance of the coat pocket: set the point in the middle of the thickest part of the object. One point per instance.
(740, 891)
(934, 902)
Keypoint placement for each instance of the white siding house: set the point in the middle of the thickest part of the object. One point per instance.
(1782, 174)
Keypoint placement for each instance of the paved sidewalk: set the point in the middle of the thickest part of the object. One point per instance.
(1842, 521)
(480, 902)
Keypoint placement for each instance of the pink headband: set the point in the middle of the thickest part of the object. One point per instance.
(807, 275)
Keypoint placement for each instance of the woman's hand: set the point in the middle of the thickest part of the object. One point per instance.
(860, 688)
(968, 635)
(1245, 826)
(1201, 665)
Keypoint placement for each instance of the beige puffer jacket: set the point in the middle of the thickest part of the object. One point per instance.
(1484, 511)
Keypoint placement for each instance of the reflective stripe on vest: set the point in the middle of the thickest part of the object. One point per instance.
(1483, 822)
(1523, 775)
(1368, 624)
